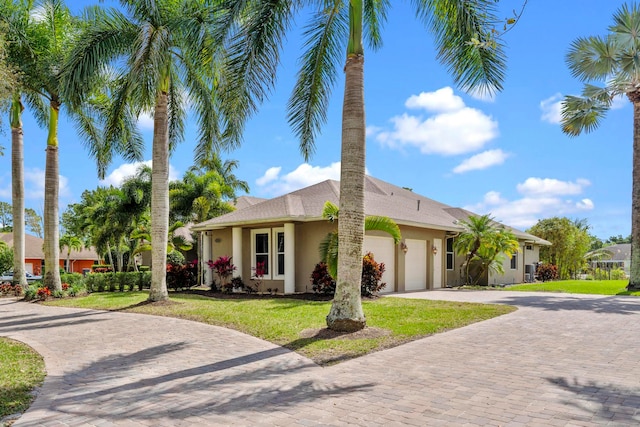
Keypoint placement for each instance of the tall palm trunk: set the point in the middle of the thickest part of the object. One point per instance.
(17, 190)
(159, 200)
(51, 190)
(346, 312)
(634, 279)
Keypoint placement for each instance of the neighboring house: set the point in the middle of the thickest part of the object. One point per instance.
(615, 256)
(285, 232)
(79, 261)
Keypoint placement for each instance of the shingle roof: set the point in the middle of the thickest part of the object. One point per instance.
(33, 248)
(381, 198)
(619, 252)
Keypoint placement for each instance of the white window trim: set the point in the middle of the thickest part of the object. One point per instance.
(266, 231)
(515, 255)
(453, 255)
(274, 265)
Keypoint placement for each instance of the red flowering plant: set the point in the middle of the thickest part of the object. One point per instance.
(258, 276)
(224, 268)
(65, 286)
(43, 293)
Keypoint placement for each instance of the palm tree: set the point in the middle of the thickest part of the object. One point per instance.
(165, 54)
(200, 196)
(329, 245)
(500, 245)
(45, 32)
(610, 61)
(213, 162)
(478, 232)
(70, 242)
(464, 43)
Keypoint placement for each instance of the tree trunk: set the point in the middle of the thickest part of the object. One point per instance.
(51, 189)
(634, 278)
(159, 200)
(17, 191)
(346, 312)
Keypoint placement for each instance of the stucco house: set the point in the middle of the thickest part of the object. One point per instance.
(284, 233)
(79, 261)
(614, 256)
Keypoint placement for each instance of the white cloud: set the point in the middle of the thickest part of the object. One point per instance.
(303, 176)
(34, 184)
(454, 129)
(551, 108)
(145, 121)
(270, 175)
(441, 101)
(126, 170)
(551, 187)
(535, 205)
(482, 160)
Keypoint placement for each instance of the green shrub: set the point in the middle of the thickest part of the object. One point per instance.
(618, 274)
(175, 257)
(372, 271)
(30, 292)
(72, 278)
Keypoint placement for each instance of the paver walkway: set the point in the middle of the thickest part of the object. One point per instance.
(560, 360)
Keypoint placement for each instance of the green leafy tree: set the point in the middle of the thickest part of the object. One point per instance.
(166, 56)
(6, 257)
(609, 67)
(333, 41)
(34, 221)
(329, 245)
(6, 217)
(570, 242)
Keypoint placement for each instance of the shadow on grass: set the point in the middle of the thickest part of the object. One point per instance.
(612, 403)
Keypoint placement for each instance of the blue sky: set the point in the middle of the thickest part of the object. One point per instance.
(506, 156)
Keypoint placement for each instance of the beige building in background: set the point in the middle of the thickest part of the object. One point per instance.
(284, 233)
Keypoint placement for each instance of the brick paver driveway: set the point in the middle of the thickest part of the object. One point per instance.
(559, 360)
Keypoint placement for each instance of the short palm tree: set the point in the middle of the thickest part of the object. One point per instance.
(70, 242)
(481, 242)
(329, 245)
(612, 62)
(165, 55)
(334, 40)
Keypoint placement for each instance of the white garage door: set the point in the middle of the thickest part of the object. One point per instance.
(415, 265)
(383, 250)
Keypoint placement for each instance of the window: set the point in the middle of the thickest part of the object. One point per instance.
(529, 247)
(260, 249)
(514, 261)
(278, 239)
(450, 257)
(267, 248)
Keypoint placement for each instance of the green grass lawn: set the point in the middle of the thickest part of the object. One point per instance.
(599, 287)
(292, 322)
(21, 371)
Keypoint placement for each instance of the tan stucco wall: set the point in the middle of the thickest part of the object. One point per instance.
(414, 233)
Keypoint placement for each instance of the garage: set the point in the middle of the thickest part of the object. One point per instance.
(415, 265)
(383, 250)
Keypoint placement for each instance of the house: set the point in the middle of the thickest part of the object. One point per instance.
(614, 256)
(79, 261)
(284, 233)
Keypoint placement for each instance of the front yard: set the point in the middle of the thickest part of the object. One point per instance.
(299, 324)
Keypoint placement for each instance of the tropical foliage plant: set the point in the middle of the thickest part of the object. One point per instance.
(485, 245)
